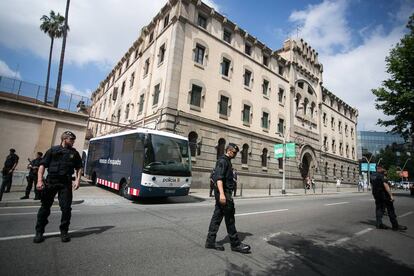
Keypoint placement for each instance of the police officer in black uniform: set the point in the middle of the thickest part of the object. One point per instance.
(384, 200)
(61, 161)
(32, 177)
(224, 203)
(9, 165)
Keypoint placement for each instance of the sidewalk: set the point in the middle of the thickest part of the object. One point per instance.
(89, 194)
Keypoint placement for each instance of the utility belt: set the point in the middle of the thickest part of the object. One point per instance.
(58, 179)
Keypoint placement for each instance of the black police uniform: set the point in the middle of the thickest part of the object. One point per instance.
(382, 201)
(61, 163)
(11, 159)
(32, 177)
(224, 172)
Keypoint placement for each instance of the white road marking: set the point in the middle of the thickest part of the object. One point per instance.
(45, 234)
(33, 213)
(406, 214)
(24, 207)
(342, 240)
(338, 203)
(262, 212)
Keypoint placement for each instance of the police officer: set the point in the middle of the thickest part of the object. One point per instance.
(32, 177)
(9, 165)
(384, 200)
(224, 204)
(61, 161)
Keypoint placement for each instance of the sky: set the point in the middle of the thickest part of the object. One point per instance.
(352, 37)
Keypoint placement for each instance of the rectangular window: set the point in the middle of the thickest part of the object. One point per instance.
(246, 114)
(225, 67)
(281, 126)
(265, 60)
(166, 20)
(156, 94)
(247, 49)
(247, 77)
(281, 95)
(141, 103)
(265, 87)
(123, 88)
(265, 120)
(202, 21)
(280, 161)
(115, 94)
(196, 95)
(146, 67)
(199, 54)
(161, 54)
(280, 70)
(151, 37)
(131, 80)
(224, 105)
(227, 35)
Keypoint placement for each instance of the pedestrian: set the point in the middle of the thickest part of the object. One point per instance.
(61, 161)
(224, 206)
(338, 184)
(32, 177)
(9, 166)
(384, 200)
(313, 184)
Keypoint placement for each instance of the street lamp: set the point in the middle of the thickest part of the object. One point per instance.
(405, 163)
(368, 173)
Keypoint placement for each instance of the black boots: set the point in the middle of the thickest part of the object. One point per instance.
(38, 238)
(25, 197)
(64, 236)
(400, 228)
(242, 248)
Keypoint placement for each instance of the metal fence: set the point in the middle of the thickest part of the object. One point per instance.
(25, 90)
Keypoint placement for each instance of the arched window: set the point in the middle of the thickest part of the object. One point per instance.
(297, 101)
(347, 172)
(312, 110)
(244, 153)
(264, 158)
(305, 105)
(334, 169)
(192, 140)
(221, 147)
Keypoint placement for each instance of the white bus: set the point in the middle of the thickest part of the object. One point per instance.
(141, 163)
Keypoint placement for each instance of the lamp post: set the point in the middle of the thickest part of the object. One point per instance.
(322, 167)
(368, 173)
(405, 163)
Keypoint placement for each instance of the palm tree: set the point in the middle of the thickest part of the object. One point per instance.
(53, 26)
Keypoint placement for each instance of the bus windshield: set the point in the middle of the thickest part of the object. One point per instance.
(167, 156)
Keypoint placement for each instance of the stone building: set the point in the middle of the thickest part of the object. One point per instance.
(195, 73)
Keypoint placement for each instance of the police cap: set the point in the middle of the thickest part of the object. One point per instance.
(233, 146)
(68, 134)
(12, 150)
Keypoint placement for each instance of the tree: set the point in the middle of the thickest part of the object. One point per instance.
(396, 96)
(53, 26)
(62, 55)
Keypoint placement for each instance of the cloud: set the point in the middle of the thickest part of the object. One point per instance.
(70, 88)
(324, 26)
(7, 72)
(351, 70)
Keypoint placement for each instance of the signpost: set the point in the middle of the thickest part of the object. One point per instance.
(282, 151)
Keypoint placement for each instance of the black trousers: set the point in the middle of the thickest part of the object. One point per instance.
(64, 192)
(380, 205)
(6, 184)
(227, 211)
(31, 182)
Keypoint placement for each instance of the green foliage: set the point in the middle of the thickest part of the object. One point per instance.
(396, 96)
(52, 25)
(392, 173)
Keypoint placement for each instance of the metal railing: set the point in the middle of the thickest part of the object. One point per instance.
(36, 93)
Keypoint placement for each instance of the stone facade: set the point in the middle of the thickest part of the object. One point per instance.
(194, 72)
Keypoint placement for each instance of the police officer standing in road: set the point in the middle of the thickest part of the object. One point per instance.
(9, 165)
(61, 161)
(32, 177)
(225, 204)
(383, 200)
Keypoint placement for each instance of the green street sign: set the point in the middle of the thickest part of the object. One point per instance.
(278, 148)
(290, 150)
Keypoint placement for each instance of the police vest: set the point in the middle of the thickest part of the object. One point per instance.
(62, 161)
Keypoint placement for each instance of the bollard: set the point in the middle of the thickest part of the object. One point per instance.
(305, 189)
(269, 190)
(322, 188)
(241, 190)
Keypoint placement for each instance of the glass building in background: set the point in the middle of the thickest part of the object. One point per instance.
(373, 141)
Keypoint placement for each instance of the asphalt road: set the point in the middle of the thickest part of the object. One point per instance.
(298, 235)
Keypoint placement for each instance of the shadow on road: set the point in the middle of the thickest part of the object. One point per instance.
(242, 236)
(167, 200)
(297, 255)
(86, 232)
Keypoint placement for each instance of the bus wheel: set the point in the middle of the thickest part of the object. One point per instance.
(123, 191)
(94, 182)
